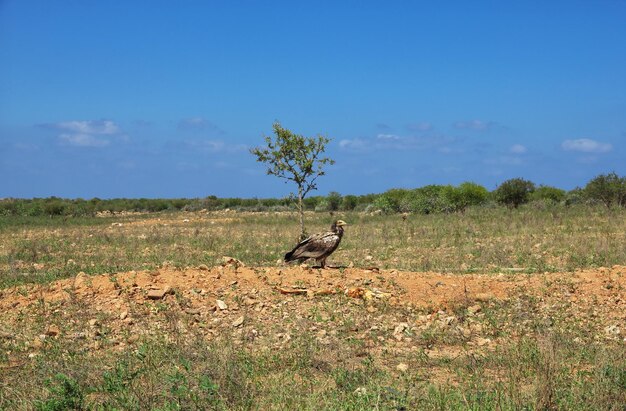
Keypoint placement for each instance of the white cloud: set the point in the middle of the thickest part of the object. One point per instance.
(518, 149)
(586, 145)
(392, 142)
(388, 137)
(100, 127)
(83, 140)
(478, 125)
(86, 133)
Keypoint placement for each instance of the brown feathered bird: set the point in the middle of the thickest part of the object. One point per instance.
(318, 246)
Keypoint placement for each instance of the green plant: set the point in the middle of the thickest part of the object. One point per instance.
(609, 189)
(296, 158)
(514, 192)
(65, 393)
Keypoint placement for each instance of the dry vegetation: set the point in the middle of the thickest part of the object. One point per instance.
(491, 309)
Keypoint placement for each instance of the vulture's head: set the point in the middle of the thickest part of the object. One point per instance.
(338, 225)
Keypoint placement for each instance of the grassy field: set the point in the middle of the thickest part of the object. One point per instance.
(482, 240)
(327, 353)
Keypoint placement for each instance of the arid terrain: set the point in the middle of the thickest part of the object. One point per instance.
(361, 332)
(214, 300)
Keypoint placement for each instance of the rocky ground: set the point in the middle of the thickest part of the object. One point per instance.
(388, 314)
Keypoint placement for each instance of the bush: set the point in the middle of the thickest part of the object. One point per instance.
(349, 202)
(514, 192)
(465, 195)
(609, 188)
(334, 201)
(385, 203)
(547, 193)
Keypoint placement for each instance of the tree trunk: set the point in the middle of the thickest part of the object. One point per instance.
(301, 211)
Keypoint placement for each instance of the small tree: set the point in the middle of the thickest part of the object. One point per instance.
(296, 158)
(514, 192)
(608, 188)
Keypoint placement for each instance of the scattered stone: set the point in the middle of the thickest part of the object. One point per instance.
(159, 293)
(295, 291)
(361, 391)
(483, 341)
(473, 309)
(123, 315)
(221, 305)
(193, 311)
(52, 330)
(80, 279)
(37, 343)
(79, 335)
(230, 261)
(93, 322)
(612, 330)
(238, 322)
(356, 292)
(399, 330)
(203, 267)
(402, 367)
(484, 297)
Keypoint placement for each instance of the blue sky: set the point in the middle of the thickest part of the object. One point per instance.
(164, 99)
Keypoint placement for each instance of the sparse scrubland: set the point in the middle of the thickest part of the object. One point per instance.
(491, 308)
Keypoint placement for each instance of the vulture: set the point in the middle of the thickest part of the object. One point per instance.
(318, 246)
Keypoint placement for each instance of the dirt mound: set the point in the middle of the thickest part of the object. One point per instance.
(384, 308)
(427, 290)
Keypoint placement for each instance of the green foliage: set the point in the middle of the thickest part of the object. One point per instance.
(514, 192)
(472, 194)
(349, 202)
(610, 189)
(334, 201)
(547, 193)
(386, 203)
(64, 394)
(296, 158)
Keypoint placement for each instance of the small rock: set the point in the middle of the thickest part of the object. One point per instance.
(52, 330)
(93, 322)
(203, 267)
(474, 309)
(159, 293)
(232, 262)
(360, 391)
(193, 311)
(400, 328)
(221, 305)
(239, 321)
(80, 279)
(37, 343)
(483, 341)
(612, 330)
(123, 315)
(402, 367)
(484, 297)
(132, 339)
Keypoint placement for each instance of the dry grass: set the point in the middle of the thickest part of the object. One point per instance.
(328, 353)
